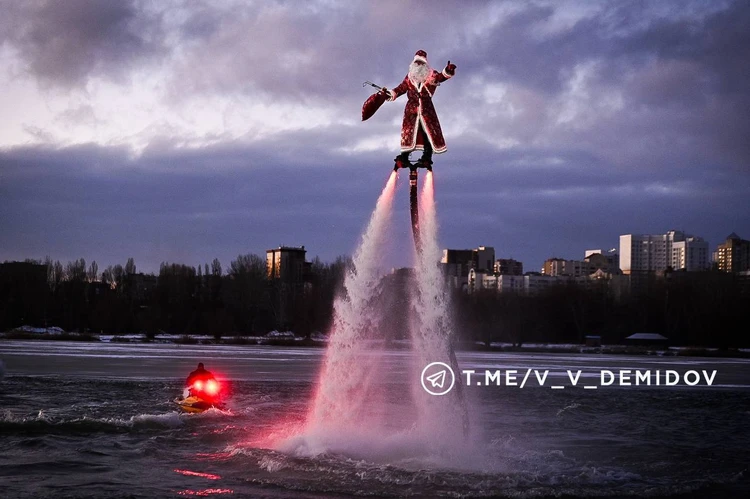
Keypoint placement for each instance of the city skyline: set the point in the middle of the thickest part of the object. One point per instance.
(583, 254)
(185, 133)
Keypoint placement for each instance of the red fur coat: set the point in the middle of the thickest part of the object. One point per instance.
(419, 109)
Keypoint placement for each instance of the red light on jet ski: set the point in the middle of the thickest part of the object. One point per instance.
(198, 385)
(212, 387)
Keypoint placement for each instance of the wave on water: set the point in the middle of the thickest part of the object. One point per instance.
(45, 423)
(568, 407)
(534, 475)
(408, 449)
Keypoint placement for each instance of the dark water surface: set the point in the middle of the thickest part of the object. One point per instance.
(98, 420)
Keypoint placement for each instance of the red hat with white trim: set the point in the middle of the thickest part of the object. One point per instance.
(421, 55)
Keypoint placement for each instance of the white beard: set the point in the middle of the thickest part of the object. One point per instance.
(418, 73)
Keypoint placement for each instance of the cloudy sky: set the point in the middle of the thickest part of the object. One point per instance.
(186, 131)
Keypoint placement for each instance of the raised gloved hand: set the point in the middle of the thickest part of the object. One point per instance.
(450, 68)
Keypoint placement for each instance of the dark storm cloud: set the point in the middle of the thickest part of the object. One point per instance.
(191, 206)
(64, 43)
(657, 139)
(320, 51)
(101, 204)
(622, 33)
(675, 111)
(719, 42)
(684, 76)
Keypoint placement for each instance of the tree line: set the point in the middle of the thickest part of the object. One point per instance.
(181, 299)
(689, 308)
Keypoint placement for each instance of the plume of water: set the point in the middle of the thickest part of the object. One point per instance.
(349, 370)
(348, 413)
(432, 328)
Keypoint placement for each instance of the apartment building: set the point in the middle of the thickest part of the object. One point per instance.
(657, 252)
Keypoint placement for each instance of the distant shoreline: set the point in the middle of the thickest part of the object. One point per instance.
(287, 340)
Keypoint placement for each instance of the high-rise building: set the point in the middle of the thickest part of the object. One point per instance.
(553, 267)
(733, 255)
(656, 253)
(484, 259)
(608, 261)
(286, 264)
(690, 255)
(557, 267)
(508, 266)
(529, 284)
(458, 263)
(287, 273)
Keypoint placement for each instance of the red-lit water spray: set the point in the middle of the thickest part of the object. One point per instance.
(349, 369)
(432, 330)
(346, 413)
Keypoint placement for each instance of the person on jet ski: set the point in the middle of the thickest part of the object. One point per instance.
(203, 384)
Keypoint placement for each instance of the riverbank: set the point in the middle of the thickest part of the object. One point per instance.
(687, 351)
(288, 339)
(274, 338)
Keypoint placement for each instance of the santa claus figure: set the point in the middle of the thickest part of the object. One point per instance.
(420, 129)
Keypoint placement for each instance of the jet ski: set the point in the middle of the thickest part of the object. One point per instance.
(201, 396)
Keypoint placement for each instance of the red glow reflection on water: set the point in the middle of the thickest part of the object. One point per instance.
(224, 429)
(286, 426)
(198, 473)
(213, 456)
(204, 492)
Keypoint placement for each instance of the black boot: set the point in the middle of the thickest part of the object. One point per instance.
(402, 161)
(425, 161)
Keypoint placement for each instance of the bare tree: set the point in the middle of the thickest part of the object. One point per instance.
(93, 273)
(76, 270)
(108, 277)
(216, 268)
(246, 278)
(118, 274)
